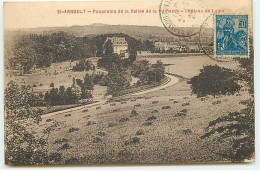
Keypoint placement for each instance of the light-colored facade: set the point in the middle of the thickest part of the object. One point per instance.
(120, 45)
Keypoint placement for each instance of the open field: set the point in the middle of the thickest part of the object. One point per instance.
(58, 73)
(160, 127)
(188, 66)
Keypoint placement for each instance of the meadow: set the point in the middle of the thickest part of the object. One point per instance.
(159, 127)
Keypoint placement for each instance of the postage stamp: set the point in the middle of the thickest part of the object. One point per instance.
(231, 36)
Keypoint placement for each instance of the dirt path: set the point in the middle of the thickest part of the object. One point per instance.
(172, 80)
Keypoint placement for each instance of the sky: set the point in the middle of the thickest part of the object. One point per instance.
(45, 14)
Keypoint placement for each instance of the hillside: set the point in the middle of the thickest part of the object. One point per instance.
(138, 32)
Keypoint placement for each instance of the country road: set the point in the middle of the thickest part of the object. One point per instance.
(171, 81)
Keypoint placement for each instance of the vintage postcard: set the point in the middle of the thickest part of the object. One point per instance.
(129, 82)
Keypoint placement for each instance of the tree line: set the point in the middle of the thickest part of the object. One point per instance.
(39, 50)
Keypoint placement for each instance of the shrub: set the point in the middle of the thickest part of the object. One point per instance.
(133, 113)
(60, 141)
(67, 115)
(116, 110)
(123, 119)
(216, 102)
(111, 125)
(52, 85)
(101, 134)
(151, 118)
(72, 161)
(137, 105)
(180, 114)
(154, 111)
(85, 110)
(73, 129)
(148, 123)
(65, 147)
(185, 104)
(125, 156)
(97, 140)
(132, 141)
(49, 120)
(202, 99)
(187, 131)
(90, 123)
(140, 132)
(214, 80)
(155, 102)
(184, 111)
(166, 107)
(55, 157)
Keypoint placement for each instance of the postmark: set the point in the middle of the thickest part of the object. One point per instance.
(231, 36)
(180, 18)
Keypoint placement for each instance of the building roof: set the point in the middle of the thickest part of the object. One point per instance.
(116, 41)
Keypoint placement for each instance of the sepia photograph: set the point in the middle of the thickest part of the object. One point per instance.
(101, 83)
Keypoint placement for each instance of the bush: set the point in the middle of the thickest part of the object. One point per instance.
(166, 107)
(180, 114)
(214, 80)
(116, 110)
(123, 119)
(72, 161)
(151, 118)
(140, 132)
(97, 140)
(55, 157)
(133, 113)
(111, 125)
(187, 131)
(52, 85)
(101, 134)
(60, 141)
(65, 147)
(49, 120)
(154, 111)
(85, 110)
(184, 111)
(148, 123)
(73, 129)
(125, 156)
(90, 123)
(216, 102)
(132, 141)
(185, 104)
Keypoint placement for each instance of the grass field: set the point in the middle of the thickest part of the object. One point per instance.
(57, 73)
(160, 127)
(188, 66)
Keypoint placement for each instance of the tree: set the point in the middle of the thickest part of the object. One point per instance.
(108, 57)
(24, 53)
(159, 70)
(148, 73)
(214, 80)
(238, 127)
(88, 82)
(22, 147)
